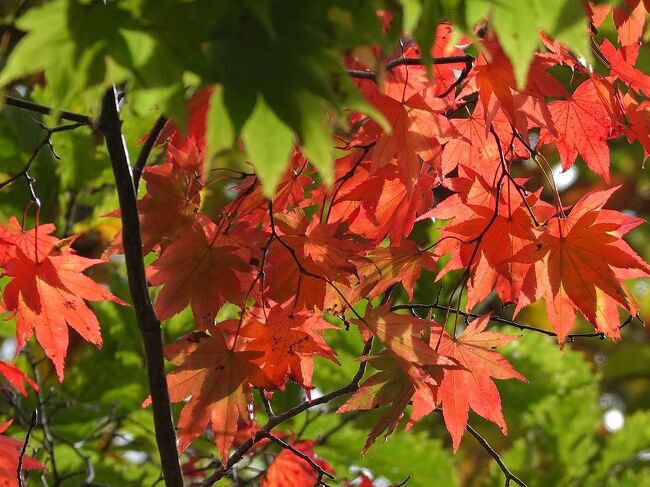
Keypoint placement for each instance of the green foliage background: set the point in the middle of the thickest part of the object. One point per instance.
(279, 64)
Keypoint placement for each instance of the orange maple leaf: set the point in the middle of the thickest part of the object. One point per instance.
(47, 292)
(289, 341)
(583, 124)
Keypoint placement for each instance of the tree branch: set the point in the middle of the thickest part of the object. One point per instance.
(321, 472)
(352, 386)
(403, 61)
(505, 321)
(35, 107)
(110, 125)
(19, 470)
(497, 458)
(141, 162)
(46, 141)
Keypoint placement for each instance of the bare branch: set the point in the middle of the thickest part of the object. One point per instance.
(35, 107)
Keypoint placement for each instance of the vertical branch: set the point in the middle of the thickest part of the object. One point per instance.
(110, 125)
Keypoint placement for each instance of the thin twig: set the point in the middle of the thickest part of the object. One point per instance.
(19, 470)
(505, 321)
(46, 141)
(403, 61)
(321, 472)
(43, 414)
(145, 151)
(497, 458)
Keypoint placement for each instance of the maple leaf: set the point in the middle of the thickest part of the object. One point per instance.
(251, 205)
(390, 265)
(472, 386)
(629, 19)
(495, 80)
(624, 70)
(47, 292)
(583, 124)
(390, 386)
(580, 263)
(639, 122)
(172, 200)
(198, 268)
(289, 469)
(194, 134)
(382, 205)
(284, 280)
(289, 341)
(398, 333)
(486, 241)
(417, 133)
(218, 381)
(324, 249)
(10, 453)
(475, 149)
(16, 377)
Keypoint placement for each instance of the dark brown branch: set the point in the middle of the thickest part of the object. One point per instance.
(352, 386)
(497, 458)
(19, 470)
(35, 107)
(402, 61)
(145, 151)
(110, 125)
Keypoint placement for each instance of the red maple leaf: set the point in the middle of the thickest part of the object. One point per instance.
(624, 69)
(639, 122)
(583, 124)
(629, 19)
(218, 380)
(289, 469)
(172, 200)
(16, 377)
(390, 265)
(391, 386)
(472, 387)
(200, 268)
(580, 263)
